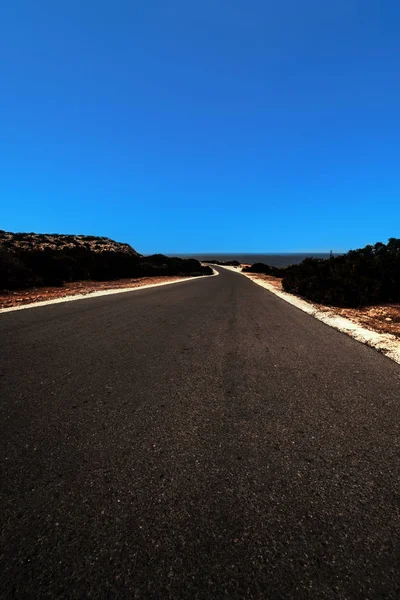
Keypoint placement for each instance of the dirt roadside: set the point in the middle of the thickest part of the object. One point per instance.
(41, 294)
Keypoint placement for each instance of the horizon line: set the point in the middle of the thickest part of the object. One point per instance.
(264, 252)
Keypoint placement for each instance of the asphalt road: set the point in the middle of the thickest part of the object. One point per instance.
(198, 440)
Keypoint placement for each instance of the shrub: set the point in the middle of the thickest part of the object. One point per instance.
(13, 273)
(361, 277)
(265, 269)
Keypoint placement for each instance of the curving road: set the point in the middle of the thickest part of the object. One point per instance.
(199, 440)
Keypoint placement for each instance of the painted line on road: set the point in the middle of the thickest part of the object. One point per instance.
(102, 293)
(386, 343)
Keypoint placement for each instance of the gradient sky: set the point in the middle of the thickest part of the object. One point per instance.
(220, 125)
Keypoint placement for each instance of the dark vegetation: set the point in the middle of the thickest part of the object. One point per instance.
(228, 263)
(265, 269)
(363, 277)
(29, 260)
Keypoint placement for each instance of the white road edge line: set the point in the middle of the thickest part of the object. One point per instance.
(386, 343)
(102, 293)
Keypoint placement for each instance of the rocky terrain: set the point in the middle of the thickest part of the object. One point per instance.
(16, 242)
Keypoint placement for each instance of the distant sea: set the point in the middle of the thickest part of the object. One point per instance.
(274, 260)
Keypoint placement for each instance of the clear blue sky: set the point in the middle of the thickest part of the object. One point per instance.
(220, 125)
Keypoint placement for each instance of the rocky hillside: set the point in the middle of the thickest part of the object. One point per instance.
(29, 260)
(16, 242)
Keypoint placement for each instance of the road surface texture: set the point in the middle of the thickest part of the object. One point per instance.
(200, 440)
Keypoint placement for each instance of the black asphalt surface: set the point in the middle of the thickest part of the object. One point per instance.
(198, 440)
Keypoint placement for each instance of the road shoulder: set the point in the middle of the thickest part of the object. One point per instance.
(386, 343)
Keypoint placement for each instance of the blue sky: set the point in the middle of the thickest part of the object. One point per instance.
(213, 126)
